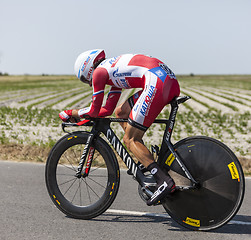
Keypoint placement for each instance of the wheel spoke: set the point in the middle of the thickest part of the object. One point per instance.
(87, 188)
(91, 188)
(73, 179)
(64, 174)
(101, 176)
(70, 186)
(75, 192)
(96, 182)
(80, 192)
(73, 168)
(97, 168)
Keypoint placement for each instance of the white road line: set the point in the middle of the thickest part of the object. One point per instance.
(239, 222)
(148, 214)
(138, 214)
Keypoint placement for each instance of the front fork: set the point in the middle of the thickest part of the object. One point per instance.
(88, 151)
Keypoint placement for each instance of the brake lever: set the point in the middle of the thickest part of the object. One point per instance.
(67, 124)
(70, 124)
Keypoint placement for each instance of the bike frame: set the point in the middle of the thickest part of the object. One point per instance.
(102, 125)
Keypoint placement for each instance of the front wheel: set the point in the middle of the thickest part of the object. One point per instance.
(220, 192)
(88, 196)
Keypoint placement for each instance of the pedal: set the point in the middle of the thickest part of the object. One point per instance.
(146, 191)
(150, 182)
(145, 195)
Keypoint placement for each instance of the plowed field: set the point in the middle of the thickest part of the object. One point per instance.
(220, 107)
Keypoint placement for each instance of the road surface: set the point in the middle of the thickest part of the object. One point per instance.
(26, 212)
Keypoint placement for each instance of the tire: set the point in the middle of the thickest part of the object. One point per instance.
(221, 184)
(85, 197)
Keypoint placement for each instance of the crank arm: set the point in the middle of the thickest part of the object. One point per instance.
(185, 188)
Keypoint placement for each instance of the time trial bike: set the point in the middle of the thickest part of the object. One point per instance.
(82, 174)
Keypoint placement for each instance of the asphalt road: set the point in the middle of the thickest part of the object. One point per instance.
(26, 212)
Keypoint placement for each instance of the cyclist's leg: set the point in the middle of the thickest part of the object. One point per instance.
(165, 184)
(146, 109)
(133, 140)
(133, 136)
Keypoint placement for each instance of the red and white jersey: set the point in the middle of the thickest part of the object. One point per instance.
(124, 72)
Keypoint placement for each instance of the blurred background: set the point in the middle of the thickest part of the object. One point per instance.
(200, 37)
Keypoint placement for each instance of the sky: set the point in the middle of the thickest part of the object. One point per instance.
(190, 36)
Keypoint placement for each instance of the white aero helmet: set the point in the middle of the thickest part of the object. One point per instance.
(84, 64)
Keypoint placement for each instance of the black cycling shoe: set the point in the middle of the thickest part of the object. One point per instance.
(162, 190)
(165, 184)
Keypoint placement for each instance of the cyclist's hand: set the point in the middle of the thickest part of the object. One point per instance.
(74, 120)
(65, 115)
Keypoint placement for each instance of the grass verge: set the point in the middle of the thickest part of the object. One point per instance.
(39, 154)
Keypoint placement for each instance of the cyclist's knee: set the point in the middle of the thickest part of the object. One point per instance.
(122, 111)
(118, 112)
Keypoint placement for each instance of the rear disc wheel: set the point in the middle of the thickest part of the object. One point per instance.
(221, 184)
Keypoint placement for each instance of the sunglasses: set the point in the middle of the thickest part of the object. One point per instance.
(84, 80)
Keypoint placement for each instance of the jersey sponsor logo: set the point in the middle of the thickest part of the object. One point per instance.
(121, 81)
(123, 74)
(167, 70)
(114, 60)
(162, 72)
(159, 73)
(148, 100)
(124, 83)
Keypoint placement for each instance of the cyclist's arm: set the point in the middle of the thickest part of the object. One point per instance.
(111, 102)
(99, 80)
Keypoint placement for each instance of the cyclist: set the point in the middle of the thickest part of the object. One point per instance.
(159, 86)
